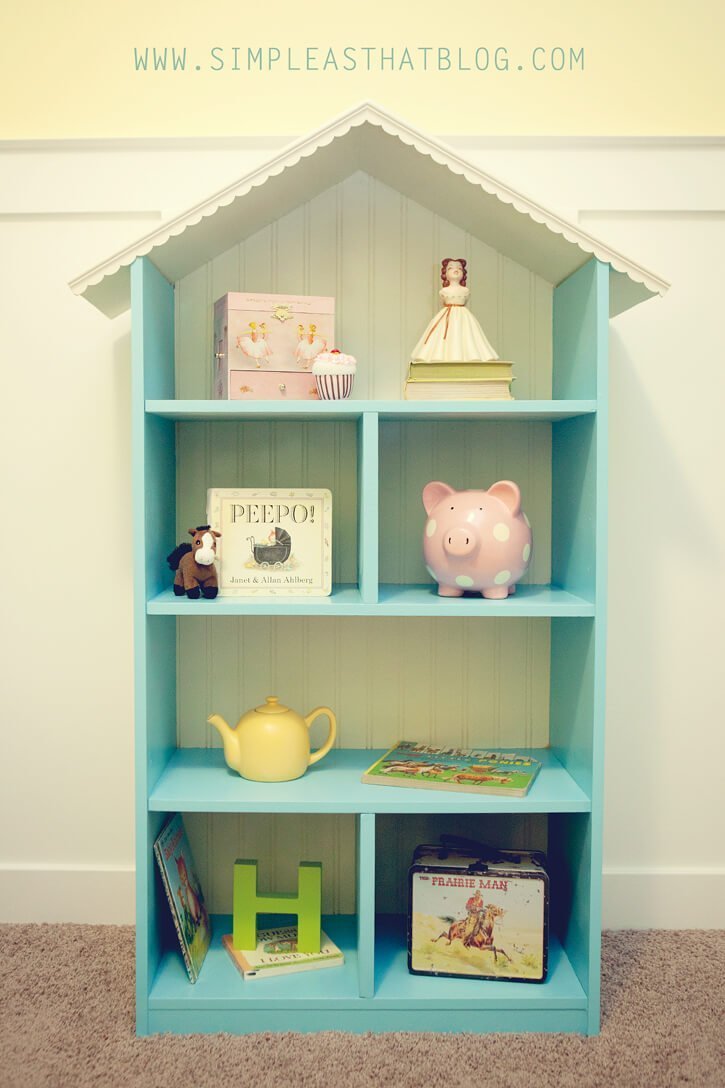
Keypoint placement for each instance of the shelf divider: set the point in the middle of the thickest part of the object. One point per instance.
(368, 507)
(366, 903)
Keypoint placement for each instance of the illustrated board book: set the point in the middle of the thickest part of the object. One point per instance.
(184, 894)
(276, 954)
(468, 770)
(273, 542)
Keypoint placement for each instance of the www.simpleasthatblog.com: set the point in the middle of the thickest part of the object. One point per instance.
(358, 58)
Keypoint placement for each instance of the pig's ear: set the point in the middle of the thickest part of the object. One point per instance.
(508, 492)
(434, 492)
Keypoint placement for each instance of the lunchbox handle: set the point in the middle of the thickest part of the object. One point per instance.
(482, 849)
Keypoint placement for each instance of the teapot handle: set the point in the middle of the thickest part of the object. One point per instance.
(315, 756)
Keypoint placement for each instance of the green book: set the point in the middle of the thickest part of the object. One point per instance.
(496, 370)
(467, 770)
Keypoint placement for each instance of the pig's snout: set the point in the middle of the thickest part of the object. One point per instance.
(459, 541)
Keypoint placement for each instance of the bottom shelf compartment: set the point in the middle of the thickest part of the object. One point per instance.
(395, 986)
(220, 985)
(328, 1000)
(373, 991)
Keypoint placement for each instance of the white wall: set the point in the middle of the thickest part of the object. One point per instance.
(66, 801)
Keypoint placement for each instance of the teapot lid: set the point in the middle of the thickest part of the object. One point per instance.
(272, 705)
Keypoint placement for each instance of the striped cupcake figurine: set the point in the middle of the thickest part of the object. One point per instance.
(334, 373)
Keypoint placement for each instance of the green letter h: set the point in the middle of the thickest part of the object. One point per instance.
(306, 904)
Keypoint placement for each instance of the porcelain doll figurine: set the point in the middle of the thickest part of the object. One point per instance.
(454, 335)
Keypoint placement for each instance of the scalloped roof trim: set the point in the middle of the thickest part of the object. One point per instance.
(341, 126)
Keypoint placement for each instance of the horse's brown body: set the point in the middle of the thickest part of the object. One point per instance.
(479, 779)
(192, 578)
(476, 931)
(192, 575)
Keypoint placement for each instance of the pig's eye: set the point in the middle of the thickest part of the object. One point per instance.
(452, 508)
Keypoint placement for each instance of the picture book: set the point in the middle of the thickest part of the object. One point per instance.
(470, 770)
(273, 542)
(183, 891)
(276, 954)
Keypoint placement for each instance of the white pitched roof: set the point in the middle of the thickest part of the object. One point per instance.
(370, 139)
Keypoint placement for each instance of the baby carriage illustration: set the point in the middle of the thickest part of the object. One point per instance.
(276, 552)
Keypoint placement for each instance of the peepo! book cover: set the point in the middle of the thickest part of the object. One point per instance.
(273, 542)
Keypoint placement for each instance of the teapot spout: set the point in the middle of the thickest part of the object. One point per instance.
(229, 739)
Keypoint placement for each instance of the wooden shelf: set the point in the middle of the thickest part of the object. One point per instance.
(198, 780)
(221, 986)
(395, 985)
(329, 999)
(423, 600)
(404, 600)
(212, 410)
(345, 600)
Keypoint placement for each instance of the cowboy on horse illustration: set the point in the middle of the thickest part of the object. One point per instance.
(476, 930)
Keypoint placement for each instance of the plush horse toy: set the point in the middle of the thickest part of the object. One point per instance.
(194, 564)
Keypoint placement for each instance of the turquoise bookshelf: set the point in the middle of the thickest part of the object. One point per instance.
(375, 990)
(525, 672)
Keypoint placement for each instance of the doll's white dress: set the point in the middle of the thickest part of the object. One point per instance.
(454, 335)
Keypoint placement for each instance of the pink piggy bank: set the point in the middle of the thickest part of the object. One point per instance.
(476, 540)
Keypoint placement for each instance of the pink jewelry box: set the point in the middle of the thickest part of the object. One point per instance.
(264, 345)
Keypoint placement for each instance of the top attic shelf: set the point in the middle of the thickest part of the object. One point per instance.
(424, 170)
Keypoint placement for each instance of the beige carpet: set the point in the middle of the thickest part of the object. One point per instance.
(66, 1018)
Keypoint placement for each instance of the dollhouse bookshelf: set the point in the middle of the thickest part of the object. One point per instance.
(390, 656)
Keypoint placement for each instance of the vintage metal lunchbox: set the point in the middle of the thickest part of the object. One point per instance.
(265, 345)
(478, 913)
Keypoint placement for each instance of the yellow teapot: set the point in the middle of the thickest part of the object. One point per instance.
(272, 743)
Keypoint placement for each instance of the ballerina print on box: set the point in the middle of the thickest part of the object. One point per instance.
(277, 542)
(265, 345)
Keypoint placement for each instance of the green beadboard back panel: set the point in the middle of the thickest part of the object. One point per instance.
(279, 843)
(455, 681)
(465, 455)
(467, 682)
(379, 255)
(459, 681)
(397, 837)
(272, 454)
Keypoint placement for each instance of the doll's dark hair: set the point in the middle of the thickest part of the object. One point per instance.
(444, 265)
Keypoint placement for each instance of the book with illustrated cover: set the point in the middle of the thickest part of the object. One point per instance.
(183, 891)
(276, 954)
(274, 541)
(469, 770)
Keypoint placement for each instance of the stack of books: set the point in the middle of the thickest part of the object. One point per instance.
(460, 381)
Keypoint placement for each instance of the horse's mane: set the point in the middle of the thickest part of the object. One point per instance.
(175, 557)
